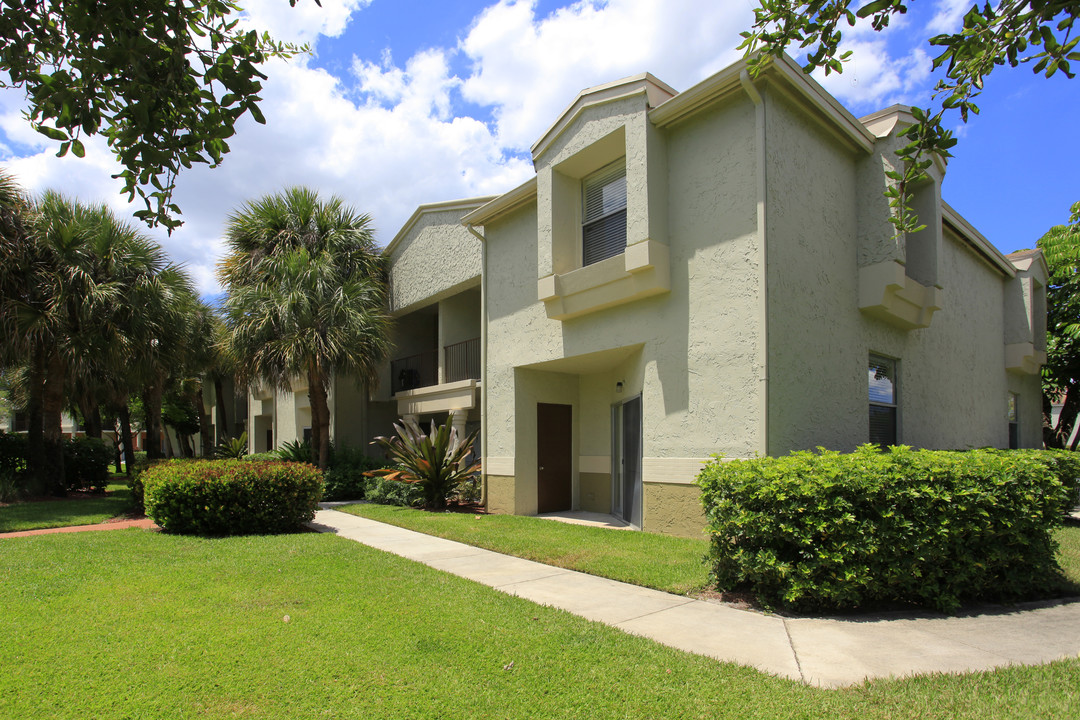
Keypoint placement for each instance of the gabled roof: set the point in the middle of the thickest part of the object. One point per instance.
(656, 92)
(787, 73)
(436, 207)
(502, 204)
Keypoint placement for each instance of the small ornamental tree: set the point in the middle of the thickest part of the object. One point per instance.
(436, 461)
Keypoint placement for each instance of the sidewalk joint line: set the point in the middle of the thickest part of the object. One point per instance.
(794, 652)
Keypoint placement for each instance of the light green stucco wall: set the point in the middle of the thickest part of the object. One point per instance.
(693, 354)
(952, 383)
(435, 259)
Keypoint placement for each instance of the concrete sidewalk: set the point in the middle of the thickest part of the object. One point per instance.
(818, 651)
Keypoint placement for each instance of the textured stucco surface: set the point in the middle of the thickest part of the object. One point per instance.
(435, 258)
(674, 510)
(500, 494)
(595, 492)
(696, 368)
(952, 383)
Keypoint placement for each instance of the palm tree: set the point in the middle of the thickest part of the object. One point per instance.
(81, 299)
(305, 297)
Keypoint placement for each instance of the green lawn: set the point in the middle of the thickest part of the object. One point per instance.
(133, 624)
(62, 513)
(658, 561)
(663, 562)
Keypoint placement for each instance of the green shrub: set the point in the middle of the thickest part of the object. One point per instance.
(295, 451)
(231, 497)
(831, 531)
(13, 476)
(13, 451)
(261, 457)
(381, 491)
(344, 478)
(86, 464)
(136, 497)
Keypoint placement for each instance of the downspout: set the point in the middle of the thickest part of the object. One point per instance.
(483, 364)
(762, 217)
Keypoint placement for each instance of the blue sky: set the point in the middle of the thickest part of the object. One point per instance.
(409, 101)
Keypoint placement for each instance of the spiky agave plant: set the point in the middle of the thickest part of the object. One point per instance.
(436, 461)
(232, 448)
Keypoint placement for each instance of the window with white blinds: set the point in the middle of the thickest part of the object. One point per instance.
(604, 213)
(882, 380)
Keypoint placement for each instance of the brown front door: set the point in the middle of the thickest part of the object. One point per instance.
(554, 445)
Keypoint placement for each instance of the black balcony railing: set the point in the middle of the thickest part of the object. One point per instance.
(415, 371)
(462, 360)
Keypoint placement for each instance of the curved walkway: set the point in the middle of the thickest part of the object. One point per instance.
(819, 651)
(144, 523)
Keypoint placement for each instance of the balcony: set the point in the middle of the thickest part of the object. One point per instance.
(415, 371)
(417, 386)
(462, 361)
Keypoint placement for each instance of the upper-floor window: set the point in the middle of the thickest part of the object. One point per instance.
(1014, 422)
(604, 213)
(883, 405)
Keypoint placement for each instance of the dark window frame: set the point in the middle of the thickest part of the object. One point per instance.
(881, 408)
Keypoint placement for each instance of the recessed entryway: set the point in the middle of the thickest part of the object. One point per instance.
(554, 460)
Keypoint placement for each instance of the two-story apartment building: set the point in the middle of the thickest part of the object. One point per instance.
(711, 271)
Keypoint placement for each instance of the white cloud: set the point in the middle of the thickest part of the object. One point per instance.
(874, 78)
(949, 16)
(528, 68)
(304, 22)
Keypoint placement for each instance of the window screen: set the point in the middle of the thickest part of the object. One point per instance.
(604, 213)
(882, 381)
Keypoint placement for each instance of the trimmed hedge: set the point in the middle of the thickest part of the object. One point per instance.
(231, 497)
(814, 531)
(86, 464)
(345, 479)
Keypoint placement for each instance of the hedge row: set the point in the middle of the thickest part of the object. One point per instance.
(813, 531)
(231, 497)
(86, 463)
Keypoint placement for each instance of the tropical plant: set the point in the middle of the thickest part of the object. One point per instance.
(438, 461)
(232, 448)
(1061, 373)
(294, 451)
(87, 303)
(305, 298)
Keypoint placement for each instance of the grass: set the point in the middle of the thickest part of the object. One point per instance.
(62, 513)
(132, 624)
(663, 562)
(1068, 538)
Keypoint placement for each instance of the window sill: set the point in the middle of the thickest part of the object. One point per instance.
(887, 293)
(639, 272)
(1024, 359)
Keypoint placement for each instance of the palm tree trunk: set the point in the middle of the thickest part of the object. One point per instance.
(125, 436)
(204, 425)
(35, 431)
(168, 444)
(91, 412)
(52, 424)
(116, 446)
(320, 420)
(223, 417)
(152, 394)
